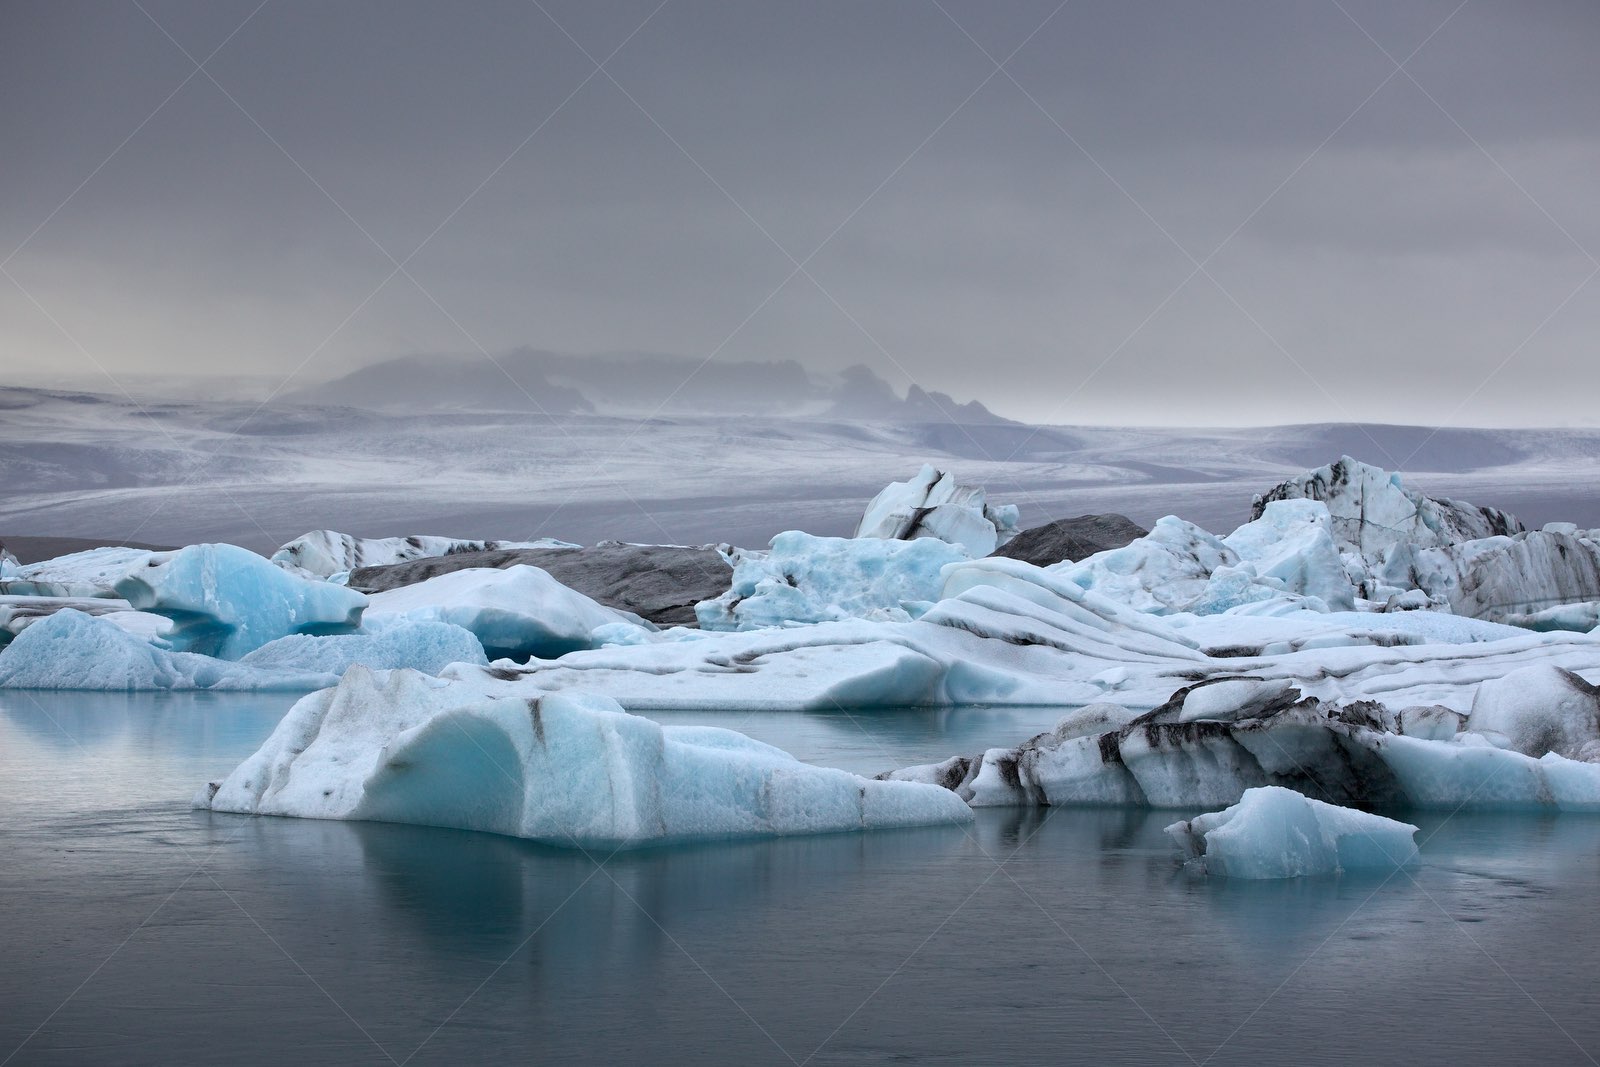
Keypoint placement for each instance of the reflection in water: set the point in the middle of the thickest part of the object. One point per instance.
(1056, 934)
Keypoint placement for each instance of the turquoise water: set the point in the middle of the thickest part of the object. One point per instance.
(135, 930)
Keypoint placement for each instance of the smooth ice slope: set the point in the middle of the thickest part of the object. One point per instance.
(933, 505)
(570, 770)
(1277, 833)
(72, 650)
(327, 552)
(816, 579)
(1539, 709)
(515, 613)
(226, 601)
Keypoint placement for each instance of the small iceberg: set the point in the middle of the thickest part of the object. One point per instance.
(1277, 833)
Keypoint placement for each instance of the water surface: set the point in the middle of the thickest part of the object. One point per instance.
(135, 930)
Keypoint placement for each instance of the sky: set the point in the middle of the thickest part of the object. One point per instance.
(1086, 212)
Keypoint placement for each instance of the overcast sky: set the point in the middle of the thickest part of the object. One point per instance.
(1188, 212)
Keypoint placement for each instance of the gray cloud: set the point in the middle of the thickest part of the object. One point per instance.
(1388, 279)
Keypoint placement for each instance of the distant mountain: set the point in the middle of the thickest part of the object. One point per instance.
(632, 383)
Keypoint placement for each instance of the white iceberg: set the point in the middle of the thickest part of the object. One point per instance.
(515, 613)
(72, 650)
(17, 613)
(932, 504)
(324, 553)
(1277, 833)
(226, 601)
(1372, 510)
(573, 771)
(1539, 709)
(805, 579)
(92, 573)
(1501, 577)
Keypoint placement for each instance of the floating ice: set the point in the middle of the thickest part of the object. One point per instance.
(17, 613)
(1498, 577)
(327, 552)
(72, 650)
(226, 601)
(516, 613)
(1539, 709)
(933, 505)
(424, 646)
(1372, 510)
(1579, 618)
(816, 579)
(1209, 744)
(571, 770)
(1277, 833)
(93, 573)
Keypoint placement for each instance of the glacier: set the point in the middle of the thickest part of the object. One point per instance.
(515, 613)
(1274, 832)
(573, 771)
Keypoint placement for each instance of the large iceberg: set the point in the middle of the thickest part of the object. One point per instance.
(1286, 554)
(1373, 511)
(325, 553)
(805, 579)
(1277, 833)
(72, 650)
(226, 601)
(1211, 743)
(516, 613)
(932, 504)
(1500, 577)
(572, 770)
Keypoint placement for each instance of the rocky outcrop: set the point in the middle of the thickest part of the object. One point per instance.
(1071, 539)
(661, 583)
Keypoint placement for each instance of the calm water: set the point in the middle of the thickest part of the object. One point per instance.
(134, 930)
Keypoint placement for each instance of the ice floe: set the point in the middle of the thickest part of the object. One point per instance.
(325, 553)
(574, 771)
(804, 579)
(1274, 832)
(932, 504)
(225, 601)
(515, 613)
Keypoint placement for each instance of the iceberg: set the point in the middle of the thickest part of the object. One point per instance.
(806, 579)
(1500, 577)
(1539, 709)
(1211, 743)
(933, 505)
(1277, 833)
(225, 601)
(17, 613)
(92, 573)
(1372, 510)
(571, 770)
(515, 613)
(72, 650)
(325, 553)
(661, 583)
(424, 646)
